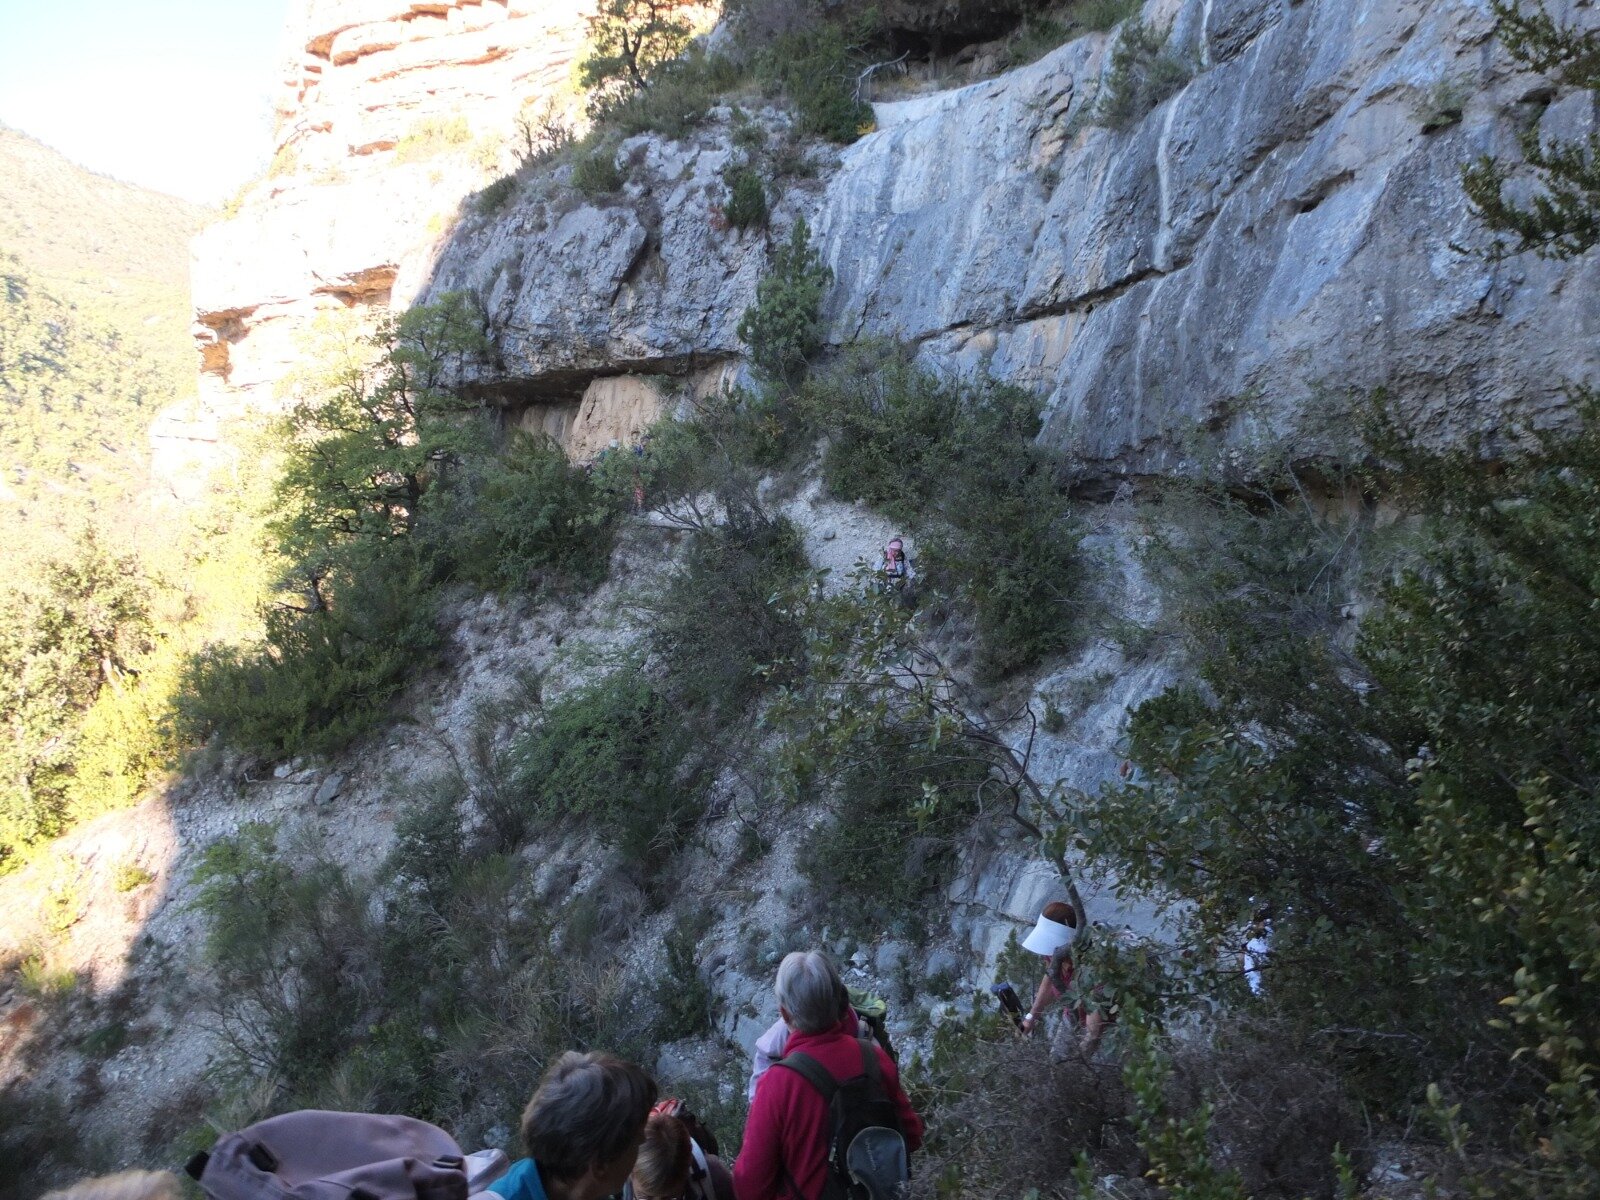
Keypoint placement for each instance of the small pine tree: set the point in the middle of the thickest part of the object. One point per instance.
(1562, 220)
(783, 329)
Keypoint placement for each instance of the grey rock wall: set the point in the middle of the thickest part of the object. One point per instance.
(1277, 237)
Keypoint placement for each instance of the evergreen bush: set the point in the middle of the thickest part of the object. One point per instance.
(958, 459)
(900, 804)
(1413, 817)
(1143, 74)
(508, 520)
(723, 627)
(612, 754)
(595, 174)
(783, 329)
(493, 198)
(814, 65)
(318, 678)
(746, 205)
(305, 962)
(679, 100)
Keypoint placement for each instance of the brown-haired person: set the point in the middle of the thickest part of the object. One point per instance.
(673, 1166)
(582, 1130)
(1052, 939)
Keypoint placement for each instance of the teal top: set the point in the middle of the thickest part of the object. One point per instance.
(522, 1182)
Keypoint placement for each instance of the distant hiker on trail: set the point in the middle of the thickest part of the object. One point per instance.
(870, 1012)
(582, 1129)
(675, 1162)
(1052, 939)
(894, 568)
(831, 1108)
(1257, 946)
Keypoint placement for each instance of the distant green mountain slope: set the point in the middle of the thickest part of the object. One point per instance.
(76, 401)
(116, 251)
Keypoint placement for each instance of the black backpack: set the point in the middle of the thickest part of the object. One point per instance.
(867, 1157)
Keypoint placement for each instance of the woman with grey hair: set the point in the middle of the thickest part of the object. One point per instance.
(871, 1022)
(786, 1135)
(582, 1129)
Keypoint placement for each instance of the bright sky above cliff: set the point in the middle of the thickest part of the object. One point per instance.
(169, 94)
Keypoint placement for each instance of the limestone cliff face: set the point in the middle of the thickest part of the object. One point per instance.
(1278, 236)
(391, 112)
(1278, 233)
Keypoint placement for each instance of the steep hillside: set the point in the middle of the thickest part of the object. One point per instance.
(117, 250)
(1250, 494)
(78, 400)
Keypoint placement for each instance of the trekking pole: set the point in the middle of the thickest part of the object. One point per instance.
(1007, 995)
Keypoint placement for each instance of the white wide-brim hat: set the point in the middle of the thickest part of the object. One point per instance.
(1048, 936)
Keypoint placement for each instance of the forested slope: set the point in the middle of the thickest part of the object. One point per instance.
(114, 249)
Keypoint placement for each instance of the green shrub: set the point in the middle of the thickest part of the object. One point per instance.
(596, 174)
(959, 460)
(494, 197)
(104, 1041)
(746, 205)
(1142, 75)
(131, 876)
(1042, 32)
(41, 981)
(728, 438)
(815, 67)
(679, 99)
(318, 678)
(1098, 15)
(509, 520)
(1416, 814)
(685, 1000)
(611, 753)
(1561, 218)
(723, 627)
(305, 964)
(289, 943)
(783, 329)
(900, 802)
(429, 841)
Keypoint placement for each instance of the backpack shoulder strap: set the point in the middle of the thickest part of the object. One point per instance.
(812, 1072)
(869, 1065)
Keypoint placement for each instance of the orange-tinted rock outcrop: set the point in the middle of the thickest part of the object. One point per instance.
(390, 114)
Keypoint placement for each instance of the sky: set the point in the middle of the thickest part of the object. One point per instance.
(174, 95)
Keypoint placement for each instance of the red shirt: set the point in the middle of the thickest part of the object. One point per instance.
(786, 1134)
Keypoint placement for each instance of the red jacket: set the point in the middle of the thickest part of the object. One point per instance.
(786, 1134)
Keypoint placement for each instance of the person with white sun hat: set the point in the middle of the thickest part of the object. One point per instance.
(1052, 939)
